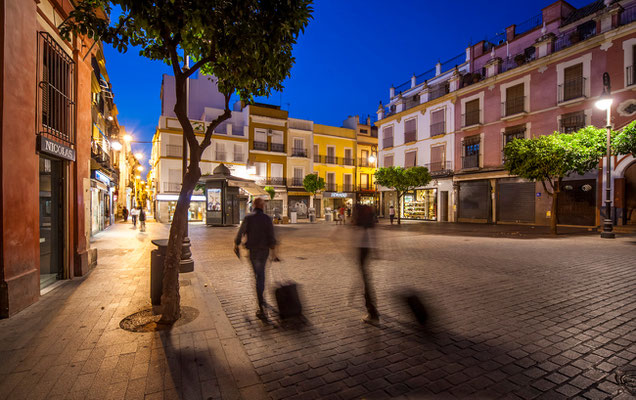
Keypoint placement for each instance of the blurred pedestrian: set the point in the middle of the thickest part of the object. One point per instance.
(364, 222)
(142, 219)
(124, 213)
(134, 213)
(391, 213)
(341, 215)
(259, 230)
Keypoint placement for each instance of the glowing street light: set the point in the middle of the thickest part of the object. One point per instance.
(140, 168)
(116, 146)
(138, 176)
(128, 138)
(371, 158)
(139, 156)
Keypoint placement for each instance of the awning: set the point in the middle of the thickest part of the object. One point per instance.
(249, 186)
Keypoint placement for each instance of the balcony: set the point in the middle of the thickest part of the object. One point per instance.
(410, 136)
(366, 188)
(572, 89)
(330, 187)
(347, 187)
(471, 118)
(173, 150)
(387, 142)
(364, 162)
(572, 123)
(438, 91)
(296, 182)
(239, 157)
(348, 161)
(317, 158)
(219, 156)
(100, 155)
(171, 187)
(277, 147)
(330, 159)
(260, 146)
(630, 73)
(628, 15)
(271, 181)
(441, 168)
(299, 152)
(513, 106)
(438, 128)
(470, 161)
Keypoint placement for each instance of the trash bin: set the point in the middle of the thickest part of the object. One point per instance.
(327, 214)
(157, 261)
(312, 215)
(293, 216)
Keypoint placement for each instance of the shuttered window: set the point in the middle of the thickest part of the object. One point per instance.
(410, 130)
(410, 159)
(438, 122)
(388, 161)
(514, 100)
(573, 82)
(437, 158)
(387, 137)
(471, 116)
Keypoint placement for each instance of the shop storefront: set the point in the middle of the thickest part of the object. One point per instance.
(366, 199)
(51, 221)
(101, 201)
(166, 206)
(334, 200)
(474, 201)
(420, 204)
(299, 204)
(195, 212)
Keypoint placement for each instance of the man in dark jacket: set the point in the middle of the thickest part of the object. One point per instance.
(259, 229)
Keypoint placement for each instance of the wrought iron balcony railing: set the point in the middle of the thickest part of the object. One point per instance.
(277, 147)
(171, 187)
(512, 106)
(440, 168)
(572, 89)
(471, 118)
(630, 72)
(271, 181)
(438, 128)
(470, 161)
(410, 136)
(297, 182)
(260, 146)
(347, 161)
(299, 152)
(173, 150)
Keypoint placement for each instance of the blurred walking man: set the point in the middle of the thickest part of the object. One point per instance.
(364, 220)
(259, 229)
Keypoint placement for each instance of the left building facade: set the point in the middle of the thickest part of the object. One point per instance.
(45, 131)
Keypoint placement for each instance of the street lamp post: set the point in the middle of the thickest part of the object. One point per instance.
(373, 158)
(187, 263)
(605, 103)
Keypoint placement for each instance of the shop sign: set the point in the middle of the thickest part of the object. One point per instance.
(338, 195)
(56, 149)
(102, 177)
(175, 197)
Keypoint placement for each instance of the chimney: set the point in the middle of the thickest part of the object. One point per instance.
(391, 92)
(438, 68)
(510, 33)
(413, 81)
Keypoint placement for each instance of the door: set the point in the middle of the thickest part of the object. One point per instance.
(630, 194)
(51, 221)
(474, 201)
(347, 183)
(348, 158)
(331, 182)
(331, 155)
(576, 203)
(364, 158)
(364, 181)
(443, 206)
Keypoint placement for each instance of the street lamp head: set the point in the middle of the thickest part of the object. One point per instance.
(371, 158)
(140, 168)
(138, 176)
(139, 156)
(110, 118)
(605, 101)
(116, 146)
(128, 138)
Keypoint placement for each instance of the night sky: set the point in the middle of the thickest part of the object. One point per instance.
(351, 53)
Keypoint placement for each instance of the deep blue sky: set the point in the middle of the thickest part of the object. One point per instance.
(351, 53)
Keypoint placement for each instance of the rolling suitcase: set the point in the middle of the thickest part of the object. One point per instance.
(288, 301)
(417, 308)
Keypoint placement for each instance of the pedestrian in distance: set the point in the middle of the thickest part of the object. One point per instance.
(364, 222)
(134, 213)
(124, 213)
(142, 219)
(258, 229)
(341, 215)
(391, 213)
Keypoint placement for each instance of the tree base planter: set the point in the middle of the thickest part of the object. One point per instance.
(148, 321)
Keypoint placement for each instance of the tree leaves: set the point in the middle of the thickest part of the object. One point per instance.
(402, 179)
(624, 142)
(313, 183)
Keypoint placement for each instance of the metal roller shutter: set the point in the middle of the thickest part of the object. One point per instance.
(515, 201)
(474, 200)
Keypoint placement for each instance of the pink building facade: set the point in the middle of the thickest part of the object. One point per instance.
(534, 79)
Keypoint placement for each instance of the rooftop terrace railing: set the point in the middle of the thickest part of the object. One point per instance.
(529, 24)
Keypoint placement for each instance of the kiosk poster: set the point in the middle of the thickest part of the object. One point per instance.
(214, 199)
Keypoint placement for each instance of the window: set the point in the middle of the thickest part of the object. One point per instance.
(364, 181)
(260, 139)
(261, 169)
(348, 158)
(220, 151)
(573, 121)
(515, 100)
(330, 183)
(471, 115)
(347, 187)
(437, 158)
(316, 154)
(573, 83)
(410, 130)
(364, 158)
(438, 122)
(410, 159)
(277, 142)
(388, 161)
(471, 152)
(331, 155)
(238, 153)
(298, 177)
(387, 137)
(56, 90)
(514, 132)
(630, 70)
(298, 149)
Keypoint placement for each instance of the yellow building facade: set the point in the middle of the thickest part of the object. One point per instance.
(367, 159)
(334, 150)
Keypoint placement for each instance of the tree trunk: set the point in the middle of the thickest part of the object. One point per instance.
(399, 202)
(170, 298)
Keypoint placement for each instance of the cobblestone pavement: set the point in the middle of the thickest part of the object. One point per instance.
(510, 318)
